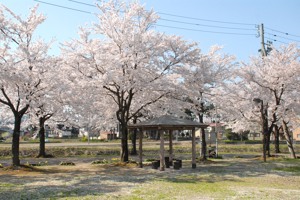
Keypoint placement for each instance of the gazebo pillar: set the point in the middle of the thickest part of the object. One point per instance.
(171, 147)
(162, 151)
(193, 149)
(141, 148)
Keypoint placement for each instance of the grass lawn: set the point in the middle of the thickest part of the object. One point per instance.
(240, 175)
(232, 178)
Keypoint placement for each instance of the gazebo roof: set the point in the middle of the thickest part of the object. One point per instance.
(168, 122)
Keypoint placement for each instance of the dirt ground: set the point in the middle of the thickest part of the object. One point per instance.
(111, 181)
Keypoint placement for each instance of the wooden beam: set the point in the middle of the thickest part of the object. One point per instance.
(162, 151)
(193, 149)
(171, 147)
(141, 148)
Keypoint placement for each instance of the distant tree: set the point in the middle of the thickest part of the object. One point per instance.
(231, 135)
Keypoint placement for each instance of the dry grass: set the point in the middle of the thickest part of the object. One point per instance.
(236, 178)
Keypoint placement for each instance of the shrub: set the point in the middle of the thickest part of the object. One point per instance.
(67, 163)
(38, 164)
(84, 139)
(236, 136)
(99, 162)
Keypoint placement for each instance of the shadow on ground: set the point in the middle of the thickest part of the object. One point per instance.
(55, 181)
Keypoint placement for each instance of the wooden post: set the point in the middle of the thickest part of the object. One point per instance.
(162, 151)
(193, 149)
(171, 147)
(141, 148)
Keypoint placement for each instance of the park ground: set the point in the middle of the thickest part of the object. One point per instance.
(242, 176)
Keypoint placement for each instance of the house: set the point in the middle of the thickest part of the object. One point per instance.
(5, 133)
(254, 136)
(107, 135)
(296, 134)
(61, 131)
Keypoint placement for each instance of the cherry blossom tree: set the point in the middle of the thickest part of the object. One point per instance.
(90, 110)
(210, 71)
(271, 81)
(22, 60)
(125, 57)
(52, 100)
(278, 74)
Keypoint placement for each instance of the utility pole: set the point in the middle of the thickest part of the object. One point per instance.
(262, 36)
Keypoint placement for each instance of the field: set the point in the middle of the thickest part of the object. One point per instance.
(242, 176)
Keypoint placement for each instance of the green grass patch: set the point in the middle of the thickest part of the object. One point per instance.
(285, 160)
(291, 160)
(295, 169)
(188, 186)
(7, 185)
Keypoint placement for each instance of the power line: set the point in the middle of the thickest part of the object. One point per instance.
(274, 35)
(218, 32)
(56, 5)
(186, 17)
(274, 40)
(87, 4)
(285, 33)
(174, 27)
(208, 20)
(212, 26)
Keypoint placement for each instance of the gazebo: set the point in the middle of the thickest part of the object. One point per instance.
(167, 123)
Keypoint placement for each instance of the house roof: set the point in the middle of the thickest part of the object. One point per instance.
(168, 122)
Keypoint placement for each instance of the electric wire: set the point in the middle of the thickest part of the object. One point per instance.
(166, 26)
(173, 15)
(274, 35)
(285, 33)
(56, 5)
(212, 26)
(208, 20)
(275, 40)
(198, 30)
(79, 2)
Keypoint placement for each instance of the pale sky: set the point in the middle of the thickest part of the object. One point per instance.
(210, 16)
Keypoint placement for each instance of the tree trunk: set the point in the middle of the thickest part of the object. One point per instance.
(203, 140)
(203, 145)
(276, 138)
(133, 141)
(16, 140)
(268, 141)
(42, 152)
(124, 142)
(264, 141)
(265, 128)
(288, 139)
(141, 148)
(268, 131)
